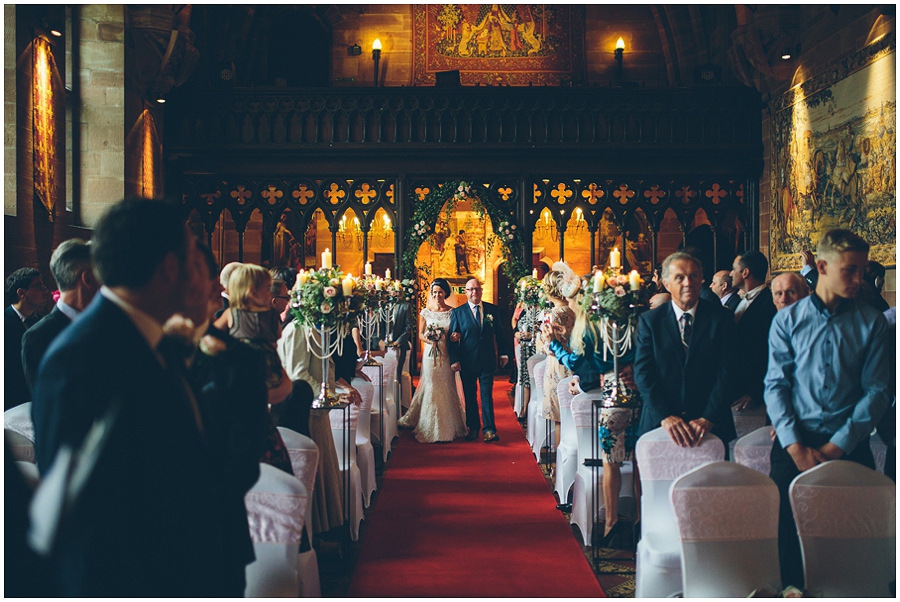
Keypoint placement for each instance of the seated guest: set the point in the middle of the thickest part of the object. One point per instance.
(149, 519)
(787, 289)
(722, 287)
(828, 380)
(70, 265)
(25, 294)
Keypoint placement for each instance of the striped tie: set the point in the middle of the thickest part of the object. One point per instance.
(686, 328)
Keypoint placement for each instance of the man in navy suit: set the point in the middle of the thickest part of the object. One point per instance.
(476, 336)
(25, 294)
(70, 265)
(150, 518)
(681, 359)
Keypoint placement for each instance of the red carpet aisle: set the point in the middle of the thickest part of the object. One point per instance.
(470, 519)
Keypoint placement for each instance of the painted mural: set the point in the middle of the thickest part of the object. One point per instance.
(834, 163)
(499, 44)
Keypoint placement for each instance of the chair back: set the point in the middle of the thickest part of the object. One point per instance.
(276, 507)
(567, 437)
(661, 461)
(726, 553)
(581, 407)
(18, 420)
(537, 386)
(747, 421)
(846, 519)
(22, 448)
(754, 450)
(532, 362)
(338, 424)
(364, 420)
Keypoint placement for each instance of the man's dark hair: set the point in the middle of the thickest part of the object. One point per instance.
(68, 261)
(21, 278)
(133, 237)
(285, 274)
(757, 263)
(874, 271)
(210, 260)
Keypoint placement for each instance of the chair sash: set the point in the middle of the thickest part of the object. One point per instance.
(276, 517)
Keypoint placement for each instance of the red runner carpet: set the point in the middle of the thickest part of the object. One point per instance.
(470, 519)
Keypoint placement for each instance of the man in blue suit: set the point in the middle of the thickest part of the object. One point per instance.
(682, 359)
(476, 336)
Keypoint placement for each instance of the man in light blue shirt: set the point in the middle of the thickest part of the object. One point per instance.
(827, 383)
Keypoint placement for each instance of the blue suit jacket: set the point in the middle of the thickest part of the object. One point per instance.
(693, 384)
(479, 347)
(150, 520)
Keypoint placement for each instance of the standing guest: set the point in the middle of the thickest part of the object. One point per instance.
(283, 279)
(224, 276)
(828, 381)
(25, 294)
(70, 266)
(681, 356)
(753, 316)
(722, 287)
(149, 520)
(787, 289)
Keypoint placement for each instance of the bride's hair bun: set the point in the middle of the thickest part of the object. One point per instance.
(442, 284)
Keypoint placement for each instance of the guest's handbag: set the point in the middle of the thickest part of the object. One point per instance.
(61, 488)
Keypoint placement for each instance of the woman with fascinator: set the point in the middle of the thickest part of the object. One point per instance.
(560, 285)
(591, 370)
(435, 411)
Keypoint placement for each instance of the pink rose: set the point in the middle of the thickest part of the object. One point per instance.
(329, 291)
(325, 308)
(620, 291)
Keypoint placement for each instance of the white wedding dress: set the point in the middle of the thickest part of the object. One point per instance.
(435, 411)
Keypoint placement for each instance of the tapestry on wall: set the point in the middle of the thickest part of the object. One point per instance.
(833, 163)
(498, 44)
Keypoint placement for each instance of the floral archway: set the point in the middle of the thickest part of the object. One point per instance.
(440, 203)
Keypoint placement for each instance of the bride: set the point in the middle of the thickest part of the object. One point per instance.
(435, 411)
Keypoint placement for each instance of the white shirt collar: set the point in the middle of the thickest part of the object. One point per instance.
(751, 295)
(18, 313)
(149, 328)
(67, 310)
(679, 311)
(472, 306)
(726, 297)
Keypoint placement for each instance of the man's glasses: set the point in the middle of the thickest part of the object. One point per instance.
(286, 298)
(472, 290)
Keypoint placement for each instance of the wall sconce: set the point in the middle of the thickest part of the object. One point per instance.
(546, 227)
(580, 222)
(354, 50)
(383, 232)
(348, 235)
(376, 56)
(620, 51)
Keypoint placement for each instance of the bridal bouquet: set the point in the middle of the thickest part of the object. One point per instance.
(434, 334)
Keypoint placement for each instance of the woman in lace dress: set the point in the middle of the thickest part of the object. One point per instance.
(435, 411)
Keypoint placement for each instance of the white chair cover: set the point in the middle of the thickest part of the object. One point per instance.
(276, 506)
(727, 517)
(879, 451)
(18, 420)
(754, 450)
(846, 516)
(567, 450)
(304, 454)
(365, 452)
(387, 412)
(747, 421)
(517, 389)
(22, 448)
(338, 426)
(536, 395)
(586, 438)
(658, 565)
(537, 425)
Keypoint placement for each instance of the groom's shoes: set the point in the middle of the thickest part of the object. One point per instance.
(490, 436)
(472, 436)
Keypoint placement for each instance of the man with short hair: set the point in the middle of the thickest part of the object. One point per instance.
(149, 518)
(721, 286)
(682, 350)
(25, 294)
(753, 316)
(70, 265)
(280, 298)
(828, 379)
(787, 289)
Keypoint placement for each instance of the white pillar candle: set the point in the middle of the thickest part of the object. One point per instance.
(634, 280)
(598, 281)
(387, 274)
(534, 273)
(368, 269)
(379, 283)
(326, 259)
(347, 285)
(615, 258)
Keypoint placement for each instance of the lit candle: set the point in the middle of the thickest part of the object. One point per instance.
(326, 259)
(368, 269)
(534, 273)
(524, 284)
(634, 280)
(301, 278)
(379, 283)
(615, 258)
(387, 274)
(347, 285)
(598, 281)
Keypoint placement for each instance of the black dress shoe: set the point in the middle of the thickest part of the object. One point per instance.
(491, 436)
(471, 436)
(564, 507)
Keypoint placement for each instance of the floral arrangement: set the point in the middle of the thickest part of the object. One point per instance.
(506, 230)
(408, 290)
(434, 334)
(530, 292)
(320, 300)
(371, 292)
(615, 297)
